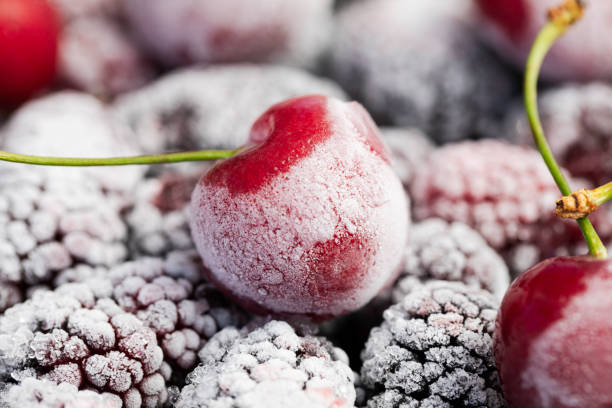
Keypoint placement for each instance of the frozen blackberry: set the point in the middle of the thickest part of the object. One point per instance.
(502, 191)
(97, 56)
(409, 148)
(73, 124)
(269, 367)
(65, 337)
(46, 394)
(49, 223)
(213, 107)
(158, 218)
(419, 64)
(208, 31)
(452, 252)
(577, 120)
(434, 349)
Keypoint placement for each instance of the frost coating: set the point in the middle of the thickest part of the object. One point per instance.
(419, 64)
(70, 9)
(73, 124)
(65, 337)
(322, 247)
(269, 367)
(188, 31)
(453, 252)
(98, 56)
(46, 394)
(576, 120)
(434, 349)
(505, 193)
(409, 148)
(50, 223)
(213, 107)
(158, 217)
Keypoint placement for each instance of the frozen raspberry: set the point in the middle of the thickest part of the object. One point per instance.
(70, 9)
(158, 219)
(269, 367)
(584, 53)
(46, 394)
(172, 297)
(409, 148)
(310, 220)
(189, 109)
(451, 252)
(64, 337)
(48, 224)
(434, 349)
(97, 56)
(28, 49)
(73, 124)
(577, 120)
(185, 31)
(502, 191)
(417, 63)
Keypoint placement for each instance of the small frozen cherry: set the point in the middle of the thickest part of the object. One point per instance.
(553, 334)
(28, 49)
(310, 219)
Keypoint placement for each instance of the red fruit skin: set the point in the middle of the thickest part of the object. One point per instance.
(511, 15)
(308, 220)
(553, 335)
(28, 49)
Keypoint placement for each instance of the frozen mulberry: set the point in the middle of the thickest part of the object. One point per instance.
(46, 394)
(49, 223)
(434, 349)
(269, 366)
(73, 124)
(96, 55)
(502, 191)
(451, 252)
(214, 107)
(158, 217)
(65, 337)
(577, 120)
(418, 63)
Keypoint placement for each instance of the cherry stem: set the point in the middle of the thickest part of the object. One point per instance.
(201, 155)
(560, 19)
(601, 194)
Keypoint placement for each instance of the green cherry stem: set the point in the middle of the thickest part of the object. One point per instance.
(601, 194)
(560, 19)
(201, 155)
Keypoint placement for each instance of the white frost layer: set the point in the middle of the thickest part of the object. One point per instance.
(570, 363)
(260, 244)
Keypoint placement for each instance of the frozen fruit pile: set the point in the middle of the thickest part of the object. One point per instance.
(382, 193)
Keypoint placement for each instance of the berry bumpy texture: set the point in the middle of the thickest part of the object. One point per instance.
(269, 367)
(434, 349)
(583, 53)
(48, 224)
(65, 337)
(28, 49)
(418, 64)
(310, 219)
(502, 191)
(46, 394)
(185, 31)
(577, 121)
(213, 107)
(557, 356)
(73, 124)
(451, 252)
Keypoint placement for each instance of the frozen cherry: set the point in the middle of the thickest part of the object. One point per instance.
(584, 53)
(28, 49)
(552, 335)
(308, 220)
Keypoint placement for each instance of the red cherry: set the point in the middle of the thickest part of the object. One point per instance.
(308, 220)
(28, 49)
(552, 335)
